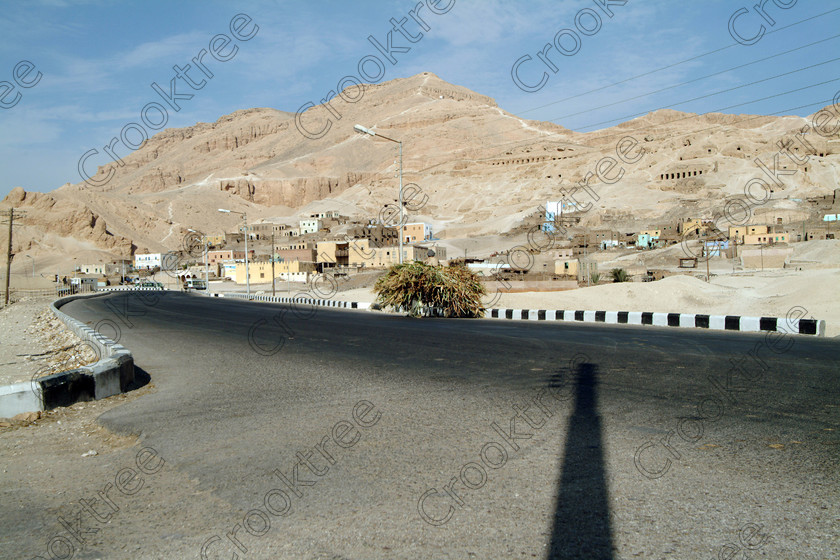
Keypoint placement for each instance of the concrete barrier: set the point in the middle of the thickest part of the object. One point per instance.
(284, 299)
(112, 374)
(814, 327)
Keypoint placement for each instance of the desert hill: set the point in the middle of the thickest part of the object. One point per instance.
(483, 169)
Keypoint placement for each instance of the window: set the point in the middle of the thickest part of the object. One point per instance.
(262, 274)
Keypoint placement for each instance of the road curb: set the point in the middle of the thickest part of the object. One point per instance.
(812, 327)
(283, 299)
(112, 374)
(733, 323)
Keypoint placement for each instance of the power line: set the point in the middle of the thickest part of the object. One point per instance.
(672, 65)
(624, 118)
(698, 79)
(722, 91)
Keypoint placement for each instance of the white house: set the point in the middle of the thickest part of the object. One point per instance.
(147, 260)
(310, 226)
(85, 282)
(555, 209)
(93, 269)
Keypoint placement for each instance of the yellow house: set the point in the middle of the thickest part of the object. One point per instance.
(766, 238)
(383, 257)
(260, 272)
(738, 233)
(359, 252)
(566, 267)
(332, 253)
(416, 232)
(215, 240)
(652, 233)
(694, 225)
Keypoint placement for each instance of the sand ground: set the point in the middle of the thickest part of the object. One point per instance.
(35, 343)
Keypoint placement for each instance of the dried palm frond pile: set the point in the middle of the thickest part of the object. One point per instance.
(423, 289)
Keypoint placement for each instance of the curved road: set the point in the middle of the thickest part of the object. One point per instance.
(318, 433)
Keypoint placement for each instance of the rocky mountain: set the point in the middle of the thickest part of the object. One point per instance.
(482, 168)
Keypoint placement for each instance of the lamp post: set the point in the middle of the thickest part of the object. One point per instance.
(245, 229)
(364, 130)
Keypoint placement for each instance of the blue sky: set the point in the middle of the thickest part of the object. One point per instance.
(98, 60)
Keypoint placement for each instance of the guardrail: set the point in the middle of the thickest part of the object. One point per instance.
(284, 299)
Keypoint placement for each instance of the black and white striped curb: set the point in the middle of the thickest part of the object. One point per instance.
(814, 327)
(112, 374)
(297, 300)
(132, 289)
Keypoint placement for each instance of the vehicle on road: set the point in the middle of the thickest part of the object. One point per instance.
(194, 284)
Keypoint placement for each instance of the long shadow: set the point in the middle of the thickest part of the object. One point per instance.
(581, 519)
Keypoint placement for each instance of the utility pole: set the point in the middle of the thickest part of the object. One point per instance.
(586, 256)
(9, 254)
(364, 130)
(247, 267)
(402, 210)
(273, 279)
(708, 256)
(206, 265)
(734, 252)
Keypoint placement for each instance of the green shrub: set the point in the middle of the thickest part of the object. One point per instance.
(595, 277)
(418, 288)
(619, 275)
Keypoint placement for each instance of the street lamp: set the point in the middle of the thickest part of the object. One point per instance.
(365, 130)
(245, 229)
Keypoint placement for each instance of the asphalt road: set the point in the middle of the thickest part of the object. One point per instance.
(314, 433)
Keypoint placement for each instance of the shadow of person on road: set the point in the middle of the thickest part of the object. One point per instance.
(581, 519)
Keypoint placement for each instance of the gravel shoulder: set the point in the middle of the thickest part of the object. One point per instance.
(36, 343)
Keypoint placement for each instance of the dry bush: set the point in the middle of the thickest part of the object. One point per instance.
(424, 289)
